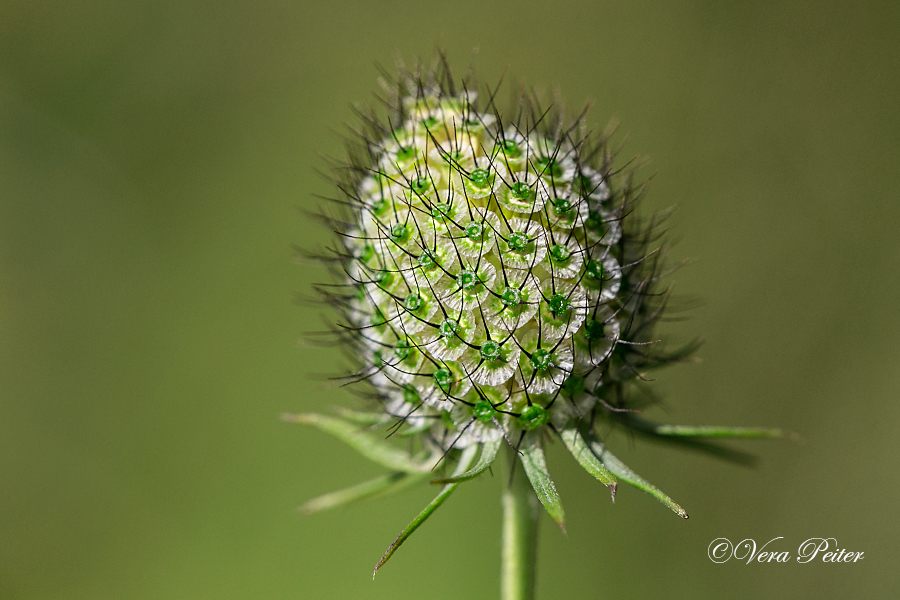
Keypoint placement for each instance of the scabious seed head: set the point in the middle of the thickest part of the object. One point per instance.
(490, 262)
(495, 286)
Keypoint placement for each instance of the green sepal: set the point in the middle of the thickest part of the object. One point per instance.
(488, 454)
(535, 466)
(465, 460)
(365, 443)
(627, 475)
(576, 445)
(380, 486)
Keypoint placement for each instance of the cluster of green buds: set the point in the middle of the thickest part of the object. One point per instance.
(495, 288)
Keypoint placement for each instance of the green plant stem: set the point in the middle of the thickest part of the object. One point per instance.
(521, 510)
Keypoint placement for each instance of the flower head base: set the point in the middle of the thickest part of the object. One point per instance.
(495, 288)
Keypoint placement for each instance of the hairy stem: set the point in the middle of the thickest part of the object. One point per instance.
(521, 510)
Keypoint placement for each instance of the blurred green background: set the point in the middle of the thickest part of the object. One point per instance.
(152, 156)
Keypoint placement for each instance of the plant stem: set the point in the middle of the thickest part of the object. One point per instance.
(521, 510)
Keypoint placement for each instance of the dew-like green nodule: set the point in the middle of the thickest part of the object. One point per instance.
(521, 190)
(467, 279)
(517, 241)
(533, 416)
(548, 167)
(510, 148)
(561, 206)
(427, 259)
(594, 330)
(541, 359)
(511, 297)
(403, 350)
(558, 304)
(480, 177)
(377, 319)
(583, 183)
(367, 254)
(406, 153)
(411, 394)
(490, 350)
(594, 270)
(399, 232)
(483, 411)
(429, 122)
(448, 327)
(380, 207)
(382, 277)
(420, 185)
(474, 231)
(594, 220)
(559, 253)
(439, 211)
(443, 377)
(413, 302)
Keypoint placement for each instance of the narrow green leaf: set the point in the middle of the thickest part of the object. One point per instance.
(465, 460)
(380, 486)
(705, 439)
(704, 431)
(720, 432)
(625, 474)
(488, 454)
(362, 418)
(370, 446)
(574, 441)
(535, 466)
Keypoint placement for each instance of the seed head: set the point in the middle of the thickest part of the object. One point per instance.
(494, 286)
(485, 259)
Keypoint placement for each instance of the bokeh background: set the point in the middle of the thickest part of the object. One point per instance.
(152, 158)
